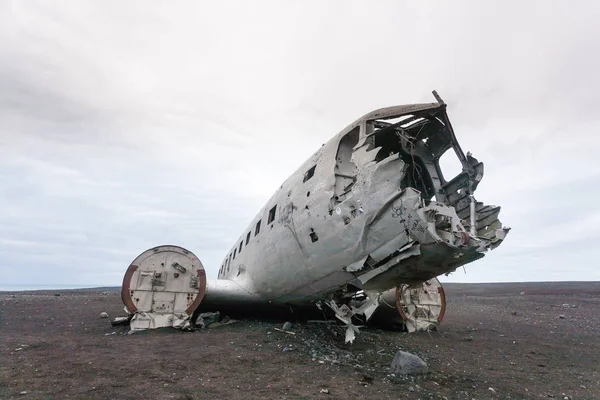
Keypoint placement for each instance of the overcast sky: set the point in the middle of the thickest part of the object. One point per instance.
(125, 125)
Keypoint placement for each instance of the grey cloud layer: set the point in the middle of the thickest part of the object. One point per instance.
(124, 126)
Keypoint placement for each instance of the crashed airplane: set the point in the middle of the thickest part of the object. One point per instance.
(368, 213)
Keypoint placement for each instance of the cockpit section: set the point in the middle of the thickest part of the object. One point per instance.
(397, 150)
(420, 138)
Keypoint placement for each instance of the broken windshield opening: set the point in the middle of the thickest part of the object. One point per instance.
(410, 138)
(419, 140)
(450, 165)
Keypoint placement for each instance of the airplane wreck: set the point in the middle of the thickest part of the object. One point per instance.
(360, 231)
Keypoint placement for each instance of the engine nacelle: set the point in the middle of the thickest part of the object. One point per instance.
(162, 287)
(418, 307)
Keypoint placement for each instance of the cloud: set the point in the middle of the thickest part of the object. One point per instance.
(124, 126)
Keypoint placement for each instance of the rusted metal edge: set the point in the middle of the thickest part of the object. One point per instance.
(399, 305)
(201, 292)
(125, 292)
(443, 296)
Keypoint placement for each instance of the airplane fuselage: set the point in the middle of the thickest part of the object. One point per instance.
(368, 212)
(351, 206)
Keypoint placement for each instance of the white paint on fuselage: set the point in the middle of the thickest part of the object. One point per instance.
(282, 262)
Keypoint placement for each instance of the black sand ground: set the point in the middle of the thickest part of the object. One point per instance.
(495, 343)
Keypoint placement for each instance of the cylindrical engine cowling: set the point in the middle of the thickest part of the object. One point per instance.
(164, 280)
(415, 307)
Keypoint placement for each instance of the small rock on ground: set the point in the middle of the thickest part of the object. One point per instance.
(408, 364)
(287, 326)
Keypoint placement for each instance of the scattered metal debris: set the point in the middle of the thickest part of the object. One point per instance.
(204, 320)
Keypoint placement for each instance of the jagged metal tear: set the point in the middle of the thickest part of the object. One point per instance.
(345, 313)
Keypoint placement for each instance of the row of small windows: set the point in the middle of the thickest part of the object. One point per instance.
(226, 265)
